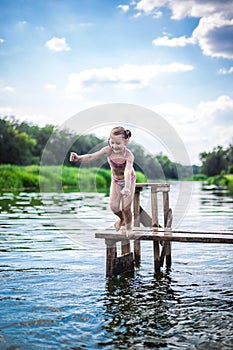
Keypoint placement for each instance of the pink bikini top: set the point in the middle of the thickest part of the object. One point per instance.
(118, 165)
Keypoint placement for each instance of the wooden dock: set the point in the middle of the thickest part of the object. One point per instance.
(152, 231)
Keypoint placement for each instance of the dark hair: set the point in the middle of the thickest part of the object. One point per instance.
(119, 130)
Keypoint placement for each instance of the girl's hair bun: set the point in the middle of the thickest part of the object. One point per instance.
(119, 130)
(127, 133)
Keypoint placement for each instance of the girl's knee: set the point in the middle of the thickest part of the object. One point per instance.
(114, 208)
(127, 211)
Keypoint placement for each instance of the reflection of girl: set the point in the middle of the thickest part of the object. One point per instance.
(122, 188)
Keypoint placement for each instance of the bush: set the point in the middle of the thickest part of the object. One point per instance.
(14, 177)
(230, 183)
(10, 177)
(199, 177)
(140, 177)
(69, 177)
(29, 180)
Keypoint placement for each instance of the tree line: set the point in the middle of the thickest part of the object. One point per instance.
(219, 161)
(22, 143)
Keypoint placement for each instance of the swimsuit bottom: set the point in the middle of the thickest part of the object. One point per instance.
(121, 182)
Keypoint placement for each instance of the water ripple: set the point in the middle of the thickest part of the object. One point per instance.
(54, 294)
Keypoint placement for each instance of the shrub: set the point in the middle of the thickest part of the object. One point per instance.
(140, 177)
(199, 177)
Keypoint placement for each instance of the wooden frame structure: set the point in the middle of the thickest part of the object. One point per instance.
(152, 231)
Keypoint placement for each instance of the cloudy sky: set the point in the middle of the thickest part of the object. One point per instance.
(175, 57)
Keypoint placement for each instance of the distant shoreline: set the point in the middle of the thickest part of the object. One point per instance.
(55, 177)
(52, 177)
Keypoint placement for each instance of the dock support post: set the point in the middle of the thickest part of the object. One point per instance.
(117, 265)
(111, 253)
(167, 224)
(136, 204)
(166, 250)
(169, 244)
(155, 223)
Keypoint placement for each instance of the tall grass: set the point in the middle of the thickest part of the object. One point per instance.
(222, 180)
(230, 183)
(14, 177)
(48, 178)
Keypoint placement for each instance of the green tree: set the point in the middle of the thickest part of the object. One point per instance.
(229, 157)
(15, 147)
(213, 163)
(40, 134)
(22, 143)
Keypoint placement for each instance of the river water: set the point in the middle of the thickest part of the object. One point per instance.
(54, 293)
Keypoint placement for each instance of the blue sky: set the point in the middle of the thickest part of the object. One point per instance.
(175, 57)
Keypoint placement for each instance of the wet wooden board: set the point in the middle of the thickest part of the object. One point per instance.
(170, 236)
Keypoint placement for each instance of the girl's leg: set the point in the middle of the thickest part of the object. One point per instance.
(115, 201)
(127, 209)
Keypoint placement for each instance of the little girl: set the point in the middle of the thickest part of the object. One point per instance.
(123, 182)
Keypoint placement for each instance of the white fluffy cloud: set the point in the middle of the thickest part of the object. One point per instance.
(219, 110)
(127, 76)
(57, 44)
(50, 86)
(9, 88)
(225, 71)
(150, 6)
(21, 24)
(124, 8)
(194, 124)
(174, 42)
(214, 35)
(188, 8)
(214, 31)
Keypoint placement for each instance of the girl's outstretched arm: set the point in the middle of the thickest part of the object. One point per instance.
(128, 175)
(74, 157)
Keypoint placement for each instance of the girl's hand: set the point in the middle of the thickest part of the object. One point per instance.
(73, 157)
(125, 192)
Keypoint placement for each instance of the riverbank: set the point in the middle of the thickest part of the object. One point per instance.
(222, 181)
(35, 177)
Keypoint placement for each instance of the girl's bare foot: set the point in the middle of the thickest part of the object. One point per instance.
(129, 233)
(118, 224)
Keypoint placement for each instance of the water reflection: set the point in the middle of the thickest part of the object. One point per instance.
(173, 311)
(137, 311)
(53, 286)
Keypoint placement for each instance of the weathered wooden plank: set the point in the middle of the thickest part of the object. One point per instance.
(165, 208)
(137, 244)
(202, 238)
(111, 253)
(171, 236)
(136, 206)
(155, 187)
(230, 233)
(155, 223)
(199, 238)
(166, 250)
(163, 188)
(156, 252)
(155, 230)
(145, 218)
